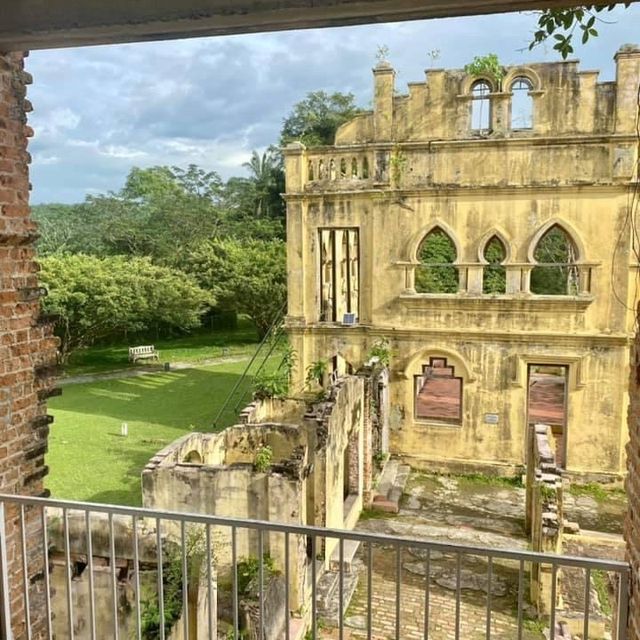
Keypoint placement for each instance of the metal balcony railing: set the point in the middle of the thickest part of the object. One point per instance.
(182, 566)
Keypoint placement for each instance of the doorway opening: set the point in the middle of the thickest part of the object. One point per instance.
(547, 403)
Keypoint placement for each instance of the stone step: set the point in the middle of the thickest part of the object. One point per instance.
(350, 548)
(387, 477)
(391, 487)
(329, 598)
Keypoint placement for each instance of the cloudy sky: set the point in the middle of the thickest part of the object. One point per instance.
(210, 101)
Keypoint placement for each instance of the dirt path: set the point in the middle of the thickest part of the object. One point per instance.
(144, 371)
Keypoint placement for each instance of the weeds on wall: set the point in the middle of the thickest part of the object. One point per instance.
(381, 350)
(262, 461)
(249, 569)
(488, 65)
(315, 374)
(277, 384)
(398, 162)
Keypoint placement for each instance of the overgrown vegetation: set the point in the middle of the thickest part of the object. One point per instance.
(249, 569)
(487, 65)
(381, 350)
(262, 461)
(595, 490)
(437, 253)
(482, 479)
(315, 374)
(600, 582)
(494, 279)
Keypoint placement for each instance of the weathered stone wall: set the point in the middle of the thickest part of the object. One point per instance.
(632, 524)
(27, 349)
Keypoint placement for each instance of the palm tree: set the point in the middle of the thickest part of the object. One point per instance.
(262, 175)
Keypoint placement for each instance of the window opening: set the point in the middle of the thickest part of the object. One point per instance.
(343, 168)
(521, 104)
(555, 273)
(547, 402)
(494, 276)
(365, 169)
(332, 169)
(438, 392)
(354, 168)
(436, 272)
(339, 274)
(480, 106)
(310, 171)
(321, 170)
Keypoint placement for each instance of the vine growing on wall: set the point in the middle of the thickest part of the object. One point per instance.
(398, 162)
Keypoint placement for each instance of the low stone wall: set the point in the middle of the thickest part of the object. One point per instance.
(544, 511)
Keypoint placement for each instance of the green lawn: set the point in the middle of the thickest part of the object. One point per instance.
(195, 348)
(90, 460)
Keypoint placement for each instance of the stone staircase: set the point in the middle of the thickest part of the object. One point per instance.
(388, 493)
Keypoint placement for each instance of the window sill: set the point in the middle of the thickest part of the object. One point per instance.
(423, 422)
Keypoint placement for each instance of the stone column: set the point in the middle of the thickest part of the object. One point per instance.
(27, 348)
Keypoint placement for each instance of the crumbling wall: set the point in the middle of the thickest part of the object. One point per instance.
(544, 511)
(27, 347)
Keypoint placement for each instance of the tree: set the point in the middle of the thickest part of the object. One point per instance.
(315, 120)
(248, 277)
(561, 25)
(437, 273)
(97, 297)
(267, 182)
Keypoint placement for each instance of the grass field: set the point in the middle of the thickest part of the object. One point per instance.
(194, 348)
(90, 460)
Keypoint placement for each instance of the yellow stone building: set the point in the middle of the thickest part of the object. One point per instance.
(480, 225)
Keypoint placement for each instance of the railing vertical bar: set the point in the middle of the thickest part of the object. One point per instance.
(287, 577)
(25, 572)
(185, 579)
(114, 581)
(623, 605)
(261, 583)
(92, 595)
(554, 581)
(67, 561)
(234, 575)
(427, 593)
(314, 612)
(520, 597)
(209, 582)
(398, 587)
(587, 603)
(340, 589)
(458, 593)
(160, 576)
(489, 580)
(136, 576)
(5, 608)
(47, 579)
(369, 589)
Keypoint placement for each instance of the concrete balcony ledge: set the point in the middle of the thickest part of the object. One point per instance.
(505, 302)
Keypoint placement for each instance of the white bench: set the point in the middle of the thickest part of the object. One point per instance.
(147, 352)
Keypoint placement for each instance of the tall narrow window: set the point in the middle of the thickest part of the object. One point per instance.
(436, 273)
(310, 171)
(339, 275)
(354, 168)
(332, 169)
(555, 273)
(494, 276)
(521, 104)
(438, 392)
(365, 168)
(343, 168)
(480, 106)
(321, 175)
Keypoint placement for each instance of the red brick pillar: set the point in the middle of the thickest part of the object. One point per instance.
(632, 524)
(27, 348)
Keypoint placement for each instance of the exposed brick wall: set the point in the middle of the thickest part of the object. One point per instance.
(632, 524)
(27, 347)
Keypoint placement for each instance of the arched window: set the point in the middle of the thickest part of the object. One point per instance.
(437, 273)
(332, 170)
(480, 106)
(343, 168)
(193, 457)
(354, 168)
(321, 170)
(494, 276)
(555, 273)
(521, 103)
(438, 392)
(365, 168)
(310, 170)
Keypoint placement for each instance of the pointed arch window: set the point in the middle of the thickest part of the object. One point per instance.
(494, 275)
(480, 106)
(321, 170)
(332, 169)
(521, 103)
(437, 272)
(556, 272)
(354, 168)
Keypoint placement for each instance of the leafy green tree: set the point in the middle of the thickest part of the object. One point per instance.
(267, 182)
(315, 120)
(437, 273)
(495, 275)
(248, 277)
(97, 297)
(556, 255)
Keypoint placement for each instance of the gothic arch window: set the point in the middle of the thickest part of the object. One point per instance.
(343, 168)
(556, 272)
(310, 171)
(480, 106)
(321, 170)
(438, 392)
(332, 169)
(521, 103)
(354, 168)
(494, 275)
(437, 272)
(365, 168)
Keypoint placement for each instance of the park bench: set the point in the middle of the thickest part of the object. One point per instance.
(147, 352)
